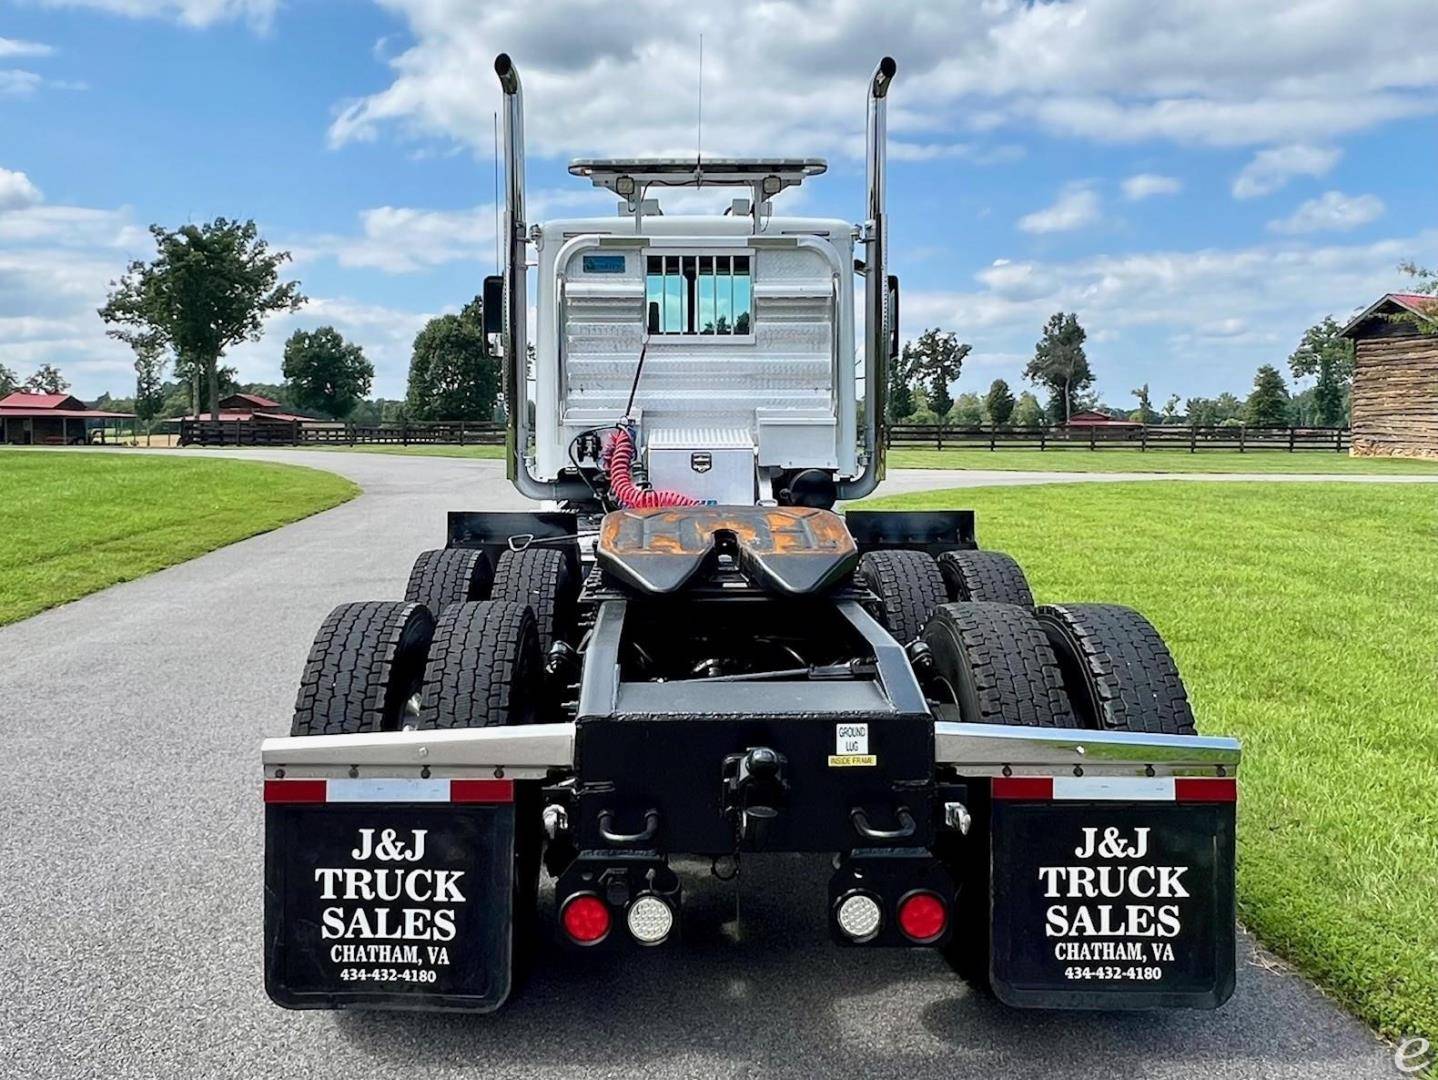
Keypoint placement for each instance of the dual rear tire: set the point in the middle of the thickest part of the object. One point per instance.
(464, 649)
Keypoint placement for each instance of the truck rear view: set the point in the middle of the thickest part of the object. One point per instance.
(685, 652)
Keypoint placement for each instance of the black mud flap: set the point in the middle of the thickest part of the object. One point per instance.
(386, 905)
(1112, 904)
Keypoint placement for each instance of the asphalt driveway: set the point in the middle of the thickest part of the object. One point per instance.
(131, 853)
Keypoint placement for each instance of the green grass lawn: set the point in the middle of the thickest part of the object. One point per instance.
(1305, 621)
(494, 452)
(75, 522)
(1116, 460)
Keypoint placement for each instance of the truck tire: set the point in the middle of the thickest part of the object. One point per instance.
(1118, 671)
(995, 662)
(541, 578)
(985, 576)
(365, 665)
(908, 585)
(449, 576)
(483, 668)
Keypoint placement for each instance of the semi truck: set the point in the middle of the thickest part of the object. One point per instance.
(684, 652)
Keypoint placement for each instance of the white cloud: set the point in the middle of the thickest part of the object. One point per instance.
(1146, 185)
(15, 82)
(16, 191)
(198, 13)
(1075, 207)
(1272, 169)
(1213, 314)
(1107, 70)
(16, 47)
(1332, 210)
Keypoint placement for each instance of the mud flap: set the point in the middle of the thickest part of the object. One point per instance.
(1112, 904)
(388, 905)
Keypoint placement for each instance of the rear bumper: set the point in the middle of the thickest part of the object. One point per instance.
(533, 751)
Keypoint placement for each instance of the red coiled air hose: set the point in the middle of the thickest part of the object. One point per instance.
(620, 451)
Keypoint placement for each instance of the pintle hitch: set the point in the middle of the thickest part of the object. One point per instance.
(755, 790)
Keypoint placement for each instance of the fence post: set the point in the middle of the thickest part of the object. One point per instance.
(993, 427)
(1192, 438)
(1242, 431)
(1092, 435)
(1043, 438)
(1143, 438)
(1338, 440)
(295, 424)
(404, 433)
(939, 435)
(350, 431)
(461, 433)
(1291, 431)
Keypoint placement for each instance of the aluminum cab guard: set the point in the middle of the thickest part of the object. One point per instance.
(516, 399)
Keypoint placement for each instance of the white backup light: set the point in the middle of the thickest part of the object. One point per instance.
(650, 920)
(859, 916)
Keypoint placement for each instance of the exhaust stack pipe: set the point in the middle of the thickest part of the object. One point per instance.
(515, 337)
(876, 289)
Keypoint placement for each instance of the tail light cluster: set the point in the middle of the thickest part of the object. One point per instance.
(921, 917)
(588, 919)
(891, 898)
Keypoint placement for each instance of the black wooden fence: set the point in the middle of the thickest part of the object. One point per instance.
(317, 433)
(1147, 437)
(900, 436)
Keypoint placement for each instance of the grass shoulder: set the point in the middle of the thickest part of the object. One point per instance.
(1159, 461)
(1303, 621)
(77, 521)
(493, 453)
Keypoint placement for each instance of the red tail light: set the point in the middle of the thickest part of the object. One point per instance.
(585, 918)
(923, 917)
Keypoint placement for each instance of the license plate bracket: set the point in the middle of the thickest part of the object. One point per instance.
(385, 905)
(1112, 905)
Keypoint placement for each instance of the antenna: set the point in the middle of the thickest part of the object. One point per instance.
(497, 268)
(699, 138)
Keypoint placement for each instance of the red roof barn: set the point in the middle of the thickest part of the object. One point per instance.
(48, 419)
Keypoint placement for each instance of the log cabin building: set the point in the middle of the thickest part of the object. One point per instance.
(1395, 377)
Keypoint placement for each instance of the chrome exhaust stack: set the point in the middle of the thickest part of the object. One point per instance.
(515, 336)
(876, 289)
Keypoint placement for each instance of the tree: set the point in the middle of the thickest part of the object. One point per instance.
(1267, 405)
(1027, 411)
(46, 380)
(1060, 364)
(937, 358)
(968, 411)
(1425, 283)
(999, 402)
(208, 288)
(325, 373)
(149, 384)
(9, 381)
(1144, 414)
(1170, 410)
(1325, 353)
(900, 404)
(452, 375)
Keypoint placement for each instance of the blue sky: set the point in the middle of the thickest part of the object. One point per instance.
(1199, 181)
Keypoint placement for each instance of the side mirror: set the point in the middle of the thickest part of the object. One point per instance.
(493, 304)
(893, 315)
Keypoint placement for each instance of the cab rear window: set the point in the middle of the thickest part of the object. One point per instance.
(699, 295)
